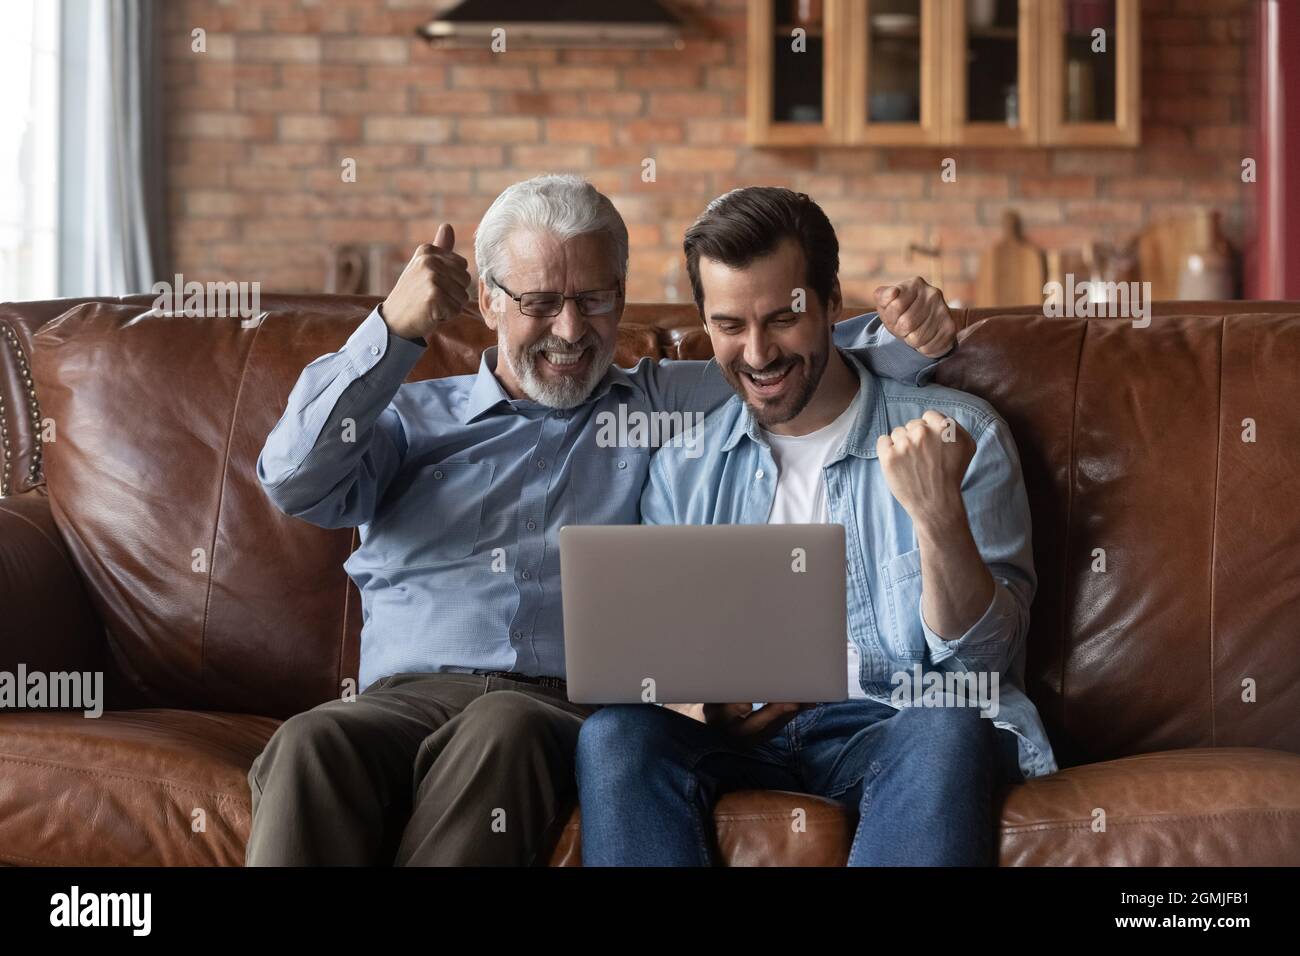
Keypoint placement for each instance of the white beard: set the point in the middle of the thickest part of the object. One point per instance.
(568, 391)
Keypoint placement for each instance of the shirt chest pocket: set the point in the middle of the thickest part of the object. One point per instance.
(902, 577)
(607, 485)
(437, 516)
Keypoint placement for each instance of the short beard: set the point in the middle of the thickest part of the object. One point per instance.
(568, 391)
(768, 415)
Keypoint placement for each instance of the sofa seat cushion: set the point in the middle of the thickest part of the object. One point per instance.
(757, 828)
(1224, 806)
(121, 789)
(1210, 806)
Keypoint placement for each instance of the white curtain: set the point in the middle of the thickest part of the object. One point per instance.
(113, 180)
(29, 150)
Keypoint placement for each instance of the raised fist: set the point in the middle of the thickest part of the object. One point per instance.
(915, 312)
(924, 463)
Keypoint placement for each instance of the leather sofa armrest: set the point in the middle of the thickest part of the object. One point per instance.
(46, 619)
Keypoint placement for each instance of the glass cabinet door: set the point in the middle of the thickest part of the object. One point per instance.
(795, 73)
(894, 79)
(953, 72)
(992, 72)
(1091, 90)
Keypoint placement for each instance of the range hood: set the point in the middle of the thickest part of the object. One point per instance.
(555, 24)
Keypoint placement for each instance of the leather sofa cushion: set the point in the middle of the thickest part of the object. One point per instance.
(121, 789)
(1129, 438)
(1197, 807)
(133, 779)
(209, 595)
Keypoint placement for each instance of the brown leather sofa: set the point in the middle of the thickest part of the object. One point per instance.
(1169, 682)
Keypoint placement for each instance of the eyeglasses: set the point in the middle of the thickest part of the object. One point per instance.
(543, 305)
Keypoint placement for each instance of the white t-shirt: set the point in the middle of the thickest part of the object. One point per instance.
(801, 488)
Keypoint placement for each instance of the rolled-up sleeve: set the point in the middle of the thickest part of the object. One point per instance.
(986, 639)
(998, 509)
(883, 352)
(333, 451)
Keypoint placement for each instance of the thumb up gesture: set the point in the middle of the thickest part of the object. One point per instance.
(433, 288)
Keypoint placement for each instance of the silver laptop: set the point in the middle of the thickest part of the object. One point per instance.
(704, 613)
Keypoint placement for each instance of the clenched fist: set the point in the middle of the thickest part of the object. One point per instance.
(924, 463)
(433, 288)
(915, 312)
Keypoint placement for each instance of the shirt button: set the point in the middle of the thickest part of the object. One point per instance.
(518, 635)
(437, 474)
(622, 463)
(531, 526)
(374, 350)
(561, 415)
(759, 474)
(526, 576)
(541, 463)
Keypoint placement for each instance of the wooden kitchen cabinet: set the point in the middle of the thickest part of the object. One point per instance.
(991, 72)
(893, 81)
(795, 71)
(1091, 96)
(943, 72)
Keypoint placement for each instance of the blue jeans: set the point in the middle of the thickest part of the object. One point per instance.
(922, 781)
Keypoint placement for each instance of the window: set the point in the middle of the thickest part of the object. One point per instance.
(29, 159)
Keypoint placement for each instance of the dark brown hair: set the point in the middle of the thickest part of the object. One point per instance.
(748, 223)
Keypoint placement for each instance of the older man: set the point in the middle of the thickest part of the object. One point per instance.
(460, 748)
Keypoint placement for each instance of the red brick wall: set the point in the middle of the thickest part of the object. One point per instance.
(259, 125)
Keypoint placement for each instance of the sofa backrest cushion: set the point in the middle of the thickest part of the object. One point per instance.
(1165, 526)
(1131, 441)
(211, 597)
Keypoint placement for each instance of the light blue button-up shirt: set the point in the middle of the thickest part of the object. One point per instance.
(459, 491)
(734, 482)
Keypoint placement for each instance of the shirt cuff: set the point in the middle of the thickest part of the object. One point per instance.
(926, 372)
(895, 358)
(378, 356)
(993, 626)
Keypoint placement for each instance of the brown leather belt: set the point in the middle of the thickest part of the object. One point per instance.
(554, 682)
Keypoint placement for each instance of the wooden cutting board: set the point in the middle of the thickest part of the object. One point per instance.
(1012, 270)
(1163, 248)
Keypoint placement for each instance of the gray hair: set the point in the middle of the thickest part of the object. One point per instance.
(563, 205)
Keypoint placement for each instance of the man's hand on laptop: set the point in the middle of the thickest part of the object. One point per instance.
(915, 312)
(741, 720)
(433, 288)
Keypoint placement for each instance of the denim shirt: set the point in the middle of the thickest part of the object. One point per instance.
(459, 491)
(734, 482)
